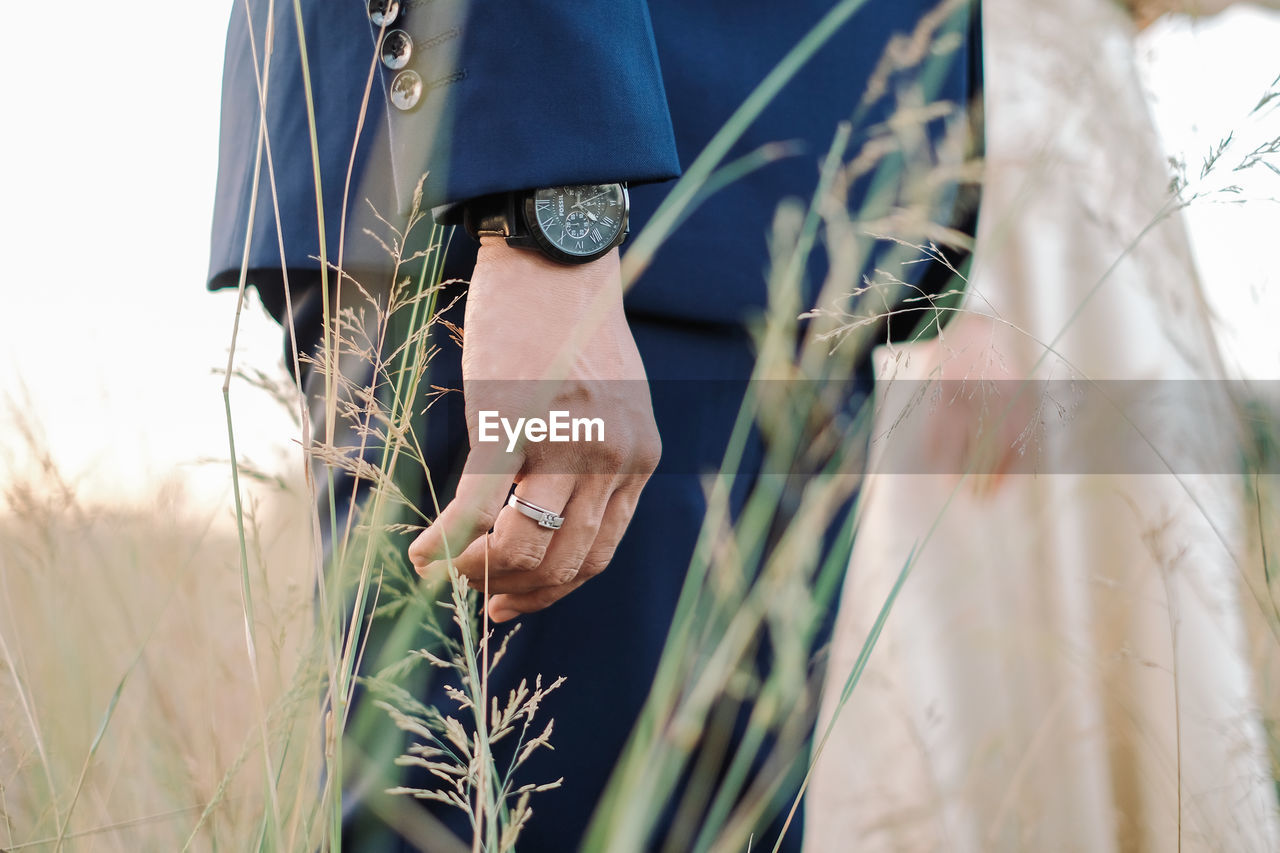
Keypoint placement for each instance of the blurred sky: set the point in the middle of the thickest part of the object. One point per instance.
(1204, 78)
(110, 338)
(109, 343)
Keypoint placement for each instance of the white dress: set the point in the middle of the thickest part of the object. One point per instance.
(1063, 669)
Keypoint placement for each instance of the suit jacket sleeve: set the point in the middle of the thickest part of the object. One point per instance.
(517, 94)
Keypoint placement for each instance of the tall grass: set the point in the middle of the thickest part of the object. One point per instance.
(172, 684)
(126, 713)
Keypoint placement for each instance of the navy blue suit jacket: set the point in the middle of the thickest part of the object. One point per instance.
(543, 92)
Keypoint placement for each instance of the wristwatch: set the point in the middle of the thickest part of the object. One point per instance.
(570, 225)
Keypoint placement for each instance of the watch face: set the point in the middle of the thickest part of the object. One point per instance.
(582, 222)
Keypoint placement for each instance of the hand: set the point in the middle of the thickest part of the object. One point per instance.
(540, 337)
(985, 412)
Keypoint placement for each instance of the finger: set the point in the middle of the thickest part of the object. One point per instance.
(482, 488)
(568, 546)
(1008, 458)
(1009, 443)
(617, 515)
(519, 543)
(584, 519)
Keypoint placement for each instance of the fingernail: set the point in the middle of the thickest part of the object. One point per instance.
(502, 614)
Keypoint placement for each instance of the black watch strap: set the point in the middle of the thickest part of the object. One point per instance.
(493, 214)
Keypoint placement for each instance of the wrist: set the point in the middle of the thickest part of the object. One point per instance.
(516, 273)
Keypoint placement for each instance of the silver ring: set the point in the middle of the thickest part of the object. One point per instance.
(545, 517)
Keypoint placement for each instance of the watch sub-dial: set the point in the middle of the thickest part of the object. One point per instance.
(576, 225)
